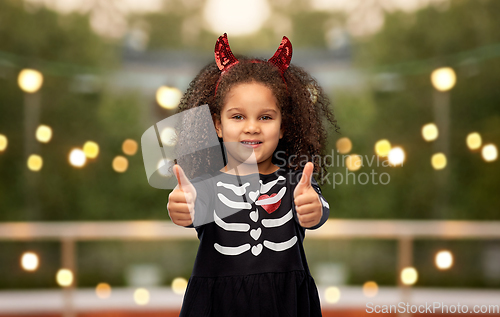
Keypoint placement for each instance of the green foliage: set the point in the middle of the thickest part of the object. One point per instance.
(422, 41)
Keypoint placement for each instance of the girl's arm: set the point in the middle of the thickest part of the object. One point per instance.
(324, 203)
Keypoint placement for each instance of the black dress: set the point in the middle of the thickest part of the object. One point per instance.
(250, 260)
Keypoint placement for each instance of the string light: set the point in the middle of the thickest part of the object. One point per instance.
(396, 156)
(141, 296)
(382, 147)
(344, 145)
(3, 142)
(444, 78)
(120, 164)
(489, 152)
(77, 158)
(179, 285)
(473, 140)
(444, 259)
(103, 290)
(438, 161)
(409, 275)
(91, 149)
(370, 289)
(168, 136)
(30, 80)
(64, 277)
(29, 261)
(168, 97)
(43, 133)
(35, 162)
(430, 132)
(353, 162)
(129, 147)
(332, 294)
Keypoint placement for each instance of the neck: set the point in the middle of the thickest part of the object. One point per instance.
(238, 168)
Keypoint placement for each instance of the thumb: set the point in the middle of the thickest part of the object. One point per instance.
(305, 180)
(181, 177)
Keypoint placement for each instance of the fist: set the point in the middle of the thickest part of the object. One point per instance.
(181, 200)
(307, 204)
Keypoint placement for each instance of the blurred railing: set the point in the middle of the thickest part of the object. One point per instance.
(404, 231)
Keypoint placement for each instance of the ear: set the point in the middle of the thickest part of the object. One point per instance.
(282, 131)
(218, 127)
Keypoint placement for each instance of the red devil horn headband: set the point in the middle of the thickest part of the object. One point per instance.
(225, 58)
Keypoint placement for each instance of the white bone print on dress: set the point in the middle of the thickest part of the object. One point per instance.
(233, 204)
(264, 188)
(268, 203)
(237, 190)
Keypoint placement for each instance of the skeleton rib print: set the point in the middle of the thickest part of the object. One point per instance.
(268, 203)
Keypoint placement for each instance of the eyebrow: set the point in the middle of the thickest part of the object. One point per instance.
(265, 110)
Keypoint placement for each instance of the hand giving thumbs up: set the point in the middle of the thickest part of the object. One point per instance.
(307, 203)
(181, 200)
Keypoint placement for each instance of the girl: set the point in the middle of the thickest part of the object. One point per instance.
(251, 226)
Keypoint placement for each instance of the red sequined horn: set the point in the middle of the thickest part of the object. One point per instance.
(283, 55)
(223, 55)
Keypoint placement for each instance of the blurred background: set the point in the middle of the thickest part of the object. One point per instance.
(413, 83)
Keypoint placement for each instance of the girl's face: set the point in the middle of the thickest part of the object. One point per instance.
(250, 120)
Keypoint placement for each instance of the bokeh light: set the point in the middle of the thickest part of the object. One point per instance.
(43, 133)
(430, 132)
(438, 161)
(64, 277)
(77, 158)
(91, 149)
(30, 80)
(444, 259)
(370, 289)
(120, 164)
(382, 147)
(129, 147)
(35, 162)
(396, 156)
(344, 145)
(141, 296)
(332, 294)
(163, 167)
(409, 275)
(3, 142)
(443, 79)
(168, 97)
(179, 285)
(474, 141)
(353, 162)
(242, 17)
(103, 290)
(168, 136)
(29, 261)
(489, 152)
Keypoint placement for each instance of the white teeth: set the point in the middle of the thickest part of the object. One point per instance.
(250, 142)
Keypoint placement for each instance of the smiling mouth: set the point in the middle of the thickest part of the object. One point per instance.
(251, 142)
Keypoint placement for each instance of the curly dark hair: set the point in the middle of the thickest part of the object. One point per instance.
(305, 110)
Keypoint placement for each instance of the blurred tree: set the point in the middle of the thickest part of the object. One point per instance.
(65, 50)
(434, 37)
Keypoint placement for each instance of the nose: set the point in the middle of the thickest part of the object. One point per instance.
(251, 126)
